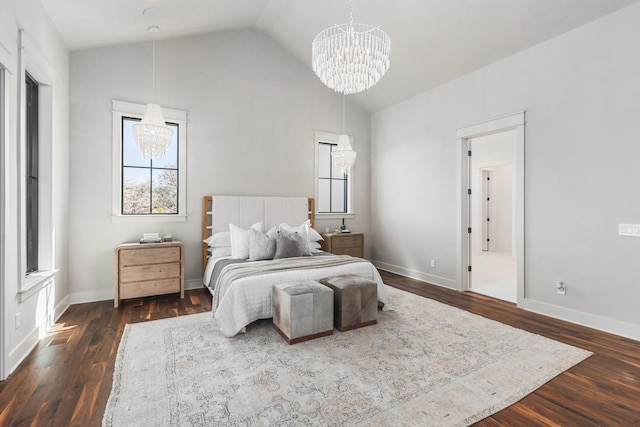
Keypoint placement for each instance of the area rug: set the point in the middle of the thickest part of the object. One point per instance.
(425, 363)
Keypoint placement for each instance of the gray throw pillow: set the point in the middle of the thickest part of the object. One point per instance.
(291, 244)
(262, 246)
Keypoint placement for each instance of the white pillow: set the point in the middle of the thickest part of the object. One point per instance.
(314, 246)
(220, 252)
(314, 236)
(219, 240)
(240, 240)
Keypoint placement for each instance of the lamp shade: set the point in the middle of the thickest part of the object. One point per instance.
(152, 135)
(343, 156)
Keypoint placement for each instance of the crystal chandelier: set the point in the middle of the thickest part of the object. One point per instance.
(152, 135)
(343, 156)
(351, 58)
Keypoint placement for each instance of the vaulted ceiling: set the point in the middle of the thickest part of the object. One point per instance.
(432, 41)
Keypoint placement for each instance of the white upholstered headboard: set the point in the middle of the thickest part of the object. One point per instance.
(220, 211)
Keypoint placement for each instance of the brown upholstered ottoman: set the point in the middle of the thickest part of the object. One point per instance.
(355, 301)
(302, 310)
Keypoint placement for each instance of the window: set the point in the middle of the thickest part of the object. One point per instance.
(36, 222)
(147, 190)
(31, 172)
(149, 186)
(334, 189)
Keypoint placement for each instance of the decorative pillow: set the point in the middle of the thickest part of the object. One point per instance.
(240, 240)
(314, 246)
(291, 244)
(303, 229)
(262, 246)
(219, 240)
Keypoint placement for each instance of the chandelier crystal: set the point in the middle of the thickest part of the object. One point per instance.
(351, 58)
(152, 135)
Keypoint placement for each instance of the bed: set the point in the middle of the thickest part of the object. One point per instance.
(241, 289)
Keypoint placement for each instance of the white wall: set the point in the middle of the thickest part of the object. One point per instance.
(50, 302)
(253, 109)
(581, 92)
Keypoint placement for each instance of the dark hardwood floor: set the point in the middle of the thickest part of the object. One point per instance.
(67, 378)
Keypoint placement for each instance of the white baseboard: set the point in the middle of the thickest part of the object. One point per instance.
(91, 296)
(588, 320)
(24, 347)
(419, 275)
(193, 284)
(600, 323)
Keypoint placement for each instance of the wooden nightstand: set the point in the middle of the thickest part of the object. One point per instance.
(343, 243)
(143, 270)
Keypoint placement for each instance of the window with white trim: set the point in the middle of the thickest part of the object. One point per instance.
(36, 222)
(333, 188)
(147, 190)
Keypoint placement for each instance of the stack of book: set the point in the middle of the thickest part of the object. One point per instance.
(151, 238)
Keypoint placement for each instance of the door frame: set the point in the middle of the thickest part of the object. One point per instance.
(514, 121)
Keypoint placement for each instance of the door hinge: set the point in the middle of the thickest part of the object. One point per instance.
(469, 230)
(469, 153)
(469, 268)
(468, 191)
(488, 219)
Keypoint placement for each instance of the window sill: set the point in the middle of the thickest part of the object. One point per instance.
(34, 282)
(123, 219)
(335, 215)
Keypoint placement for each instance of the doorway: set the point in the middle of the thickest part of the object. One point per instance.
(505, 228)
(492, 211)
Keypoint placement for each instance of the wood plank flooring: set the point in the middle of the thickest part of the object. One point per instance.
(67, 378)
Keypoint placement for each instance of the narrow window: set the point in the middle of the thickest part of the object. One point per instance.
(334, 188)
(31, 175)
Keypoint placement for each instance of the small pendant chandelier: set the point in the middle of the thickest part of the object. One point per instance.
(351, 58)
(343, 156)
(152, 135)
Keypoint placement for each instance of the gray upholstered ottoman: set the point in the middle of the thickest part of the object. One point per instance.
(355, 301)
(302, 310)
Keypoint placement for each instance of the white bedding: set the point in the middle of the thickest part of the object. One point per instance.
(249, 299)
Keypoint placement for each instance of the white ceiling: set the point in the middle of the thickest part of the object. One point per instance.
(432, 41)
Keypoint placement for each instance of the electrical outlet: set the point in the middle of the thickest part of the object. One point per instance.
(17, 320)
(433, 263)
(561, 288)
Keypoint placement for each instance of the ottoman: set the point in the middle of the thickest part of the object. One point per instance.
(302, 310)
(355, 301)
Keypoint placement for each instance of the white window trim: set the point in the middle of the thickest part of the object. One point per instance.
(332, 138)
(33, 61)
(122, 109)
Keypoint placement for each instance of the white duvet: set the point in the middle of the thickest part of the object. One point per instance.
(249, 299)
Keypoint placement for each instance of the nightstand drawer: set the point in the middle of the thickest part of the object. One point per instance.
(343, 244)
(144, 255)
(356, 252)
(149, 272)
(154, 287)
(346, 242)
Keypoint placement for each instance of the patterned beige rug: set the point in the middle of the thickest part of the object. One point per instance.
(425, 363)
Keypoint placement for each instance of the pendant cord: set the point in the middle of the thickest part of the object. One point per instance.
(153, 73)
(351, 13)
(343, 112)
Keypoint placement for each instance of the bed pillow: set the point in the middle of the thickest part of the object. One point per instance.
(262, 246)
(314, 236)
(315, 246)
(240, 240)
(219, 240)
(220, 252)
(291, 244)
